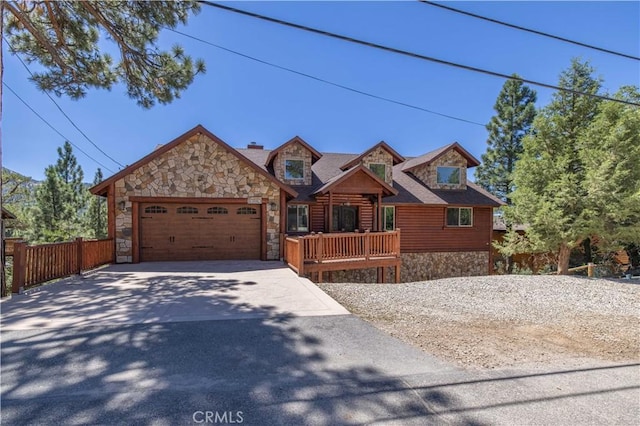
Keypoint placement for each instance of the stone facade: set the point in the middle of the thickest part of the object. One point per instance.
(381, 156)
(428, 173)
(294, 151)
(423, 267)
(197, 167)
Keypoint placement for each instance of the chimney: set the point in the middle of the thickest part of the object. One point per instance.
(254, 145)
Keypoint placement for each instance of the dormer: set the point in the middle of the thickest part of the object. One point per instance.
(380, 159)
(444, 168)
(291, 162)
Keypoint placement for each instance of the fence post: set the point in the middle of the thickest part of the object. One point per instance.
(367, 244)
(320, 247)
(80, 257)
(590, 268)
(301, 242)
(19, 267)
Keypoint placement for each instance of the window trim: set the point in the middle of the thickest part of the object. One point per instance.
(297, 207)
(449, 167)
(384, 217)
(384, 166)
(285, 169)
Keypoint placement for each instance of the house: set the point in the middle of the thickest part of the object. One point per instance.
(197, 198)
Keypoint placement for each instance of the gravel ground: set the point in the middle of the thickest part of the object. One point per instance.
(501, 321)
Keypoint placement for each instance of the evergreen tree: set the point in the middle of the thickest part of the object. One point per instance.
(550, 195)
(65, 38)
(515, 111)
(97, 215)
(60, 200)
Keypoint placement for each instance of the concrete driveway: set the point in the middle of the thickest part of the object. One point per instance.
(161, 292)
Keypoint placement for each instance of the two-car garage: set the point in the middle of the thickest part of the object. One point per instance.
(198, 231)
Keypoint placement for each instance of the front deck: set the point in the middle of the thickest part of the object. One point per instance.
(318, 253)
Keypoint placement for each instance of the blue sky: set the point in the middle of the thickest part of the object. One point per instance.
(241, 100)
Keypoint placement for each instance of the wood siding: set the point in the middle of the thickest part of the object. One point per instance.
(423, 230)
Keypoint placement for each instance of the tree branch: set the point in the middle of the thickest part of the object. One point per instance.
(24, 20)
(54, 22)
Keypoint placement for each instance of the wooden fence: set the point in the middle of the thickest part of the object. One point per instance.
(37, 264)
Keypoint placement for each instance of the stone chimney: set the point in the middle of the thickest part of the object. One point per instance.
(254, 145)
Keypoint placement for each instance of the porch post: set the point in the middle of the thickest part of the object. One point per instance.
(330, 212)
(379, 224)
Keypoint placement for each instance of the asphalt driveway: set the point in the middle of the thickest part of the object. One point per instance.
(161, 292)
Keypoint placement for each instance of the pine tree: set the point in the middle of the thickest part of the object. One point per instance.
(60, 200)
(97, 214)
(515, 111)
(65, 38)
(550, 195)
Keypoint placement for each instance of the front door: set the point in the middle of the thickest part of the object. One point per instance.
(345, 218)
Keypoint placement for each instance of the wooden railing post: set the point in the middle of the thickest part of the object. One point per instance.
(320, 247)
(283, 241)
(367, 244)
(590, 268)
(301, 242)
(80, 258)
(396, 247)
(19, 267)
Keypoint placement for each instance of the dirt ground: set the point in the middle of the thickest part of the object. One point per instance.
(502, 321)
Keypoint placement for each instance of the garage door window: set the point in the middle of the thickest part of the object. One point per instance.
(246, 210)
(217, 210)
(155, 209)
(187, 210)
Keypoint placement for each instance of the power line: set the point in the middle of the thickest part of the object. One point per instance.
(326, 81)
(53, 128)
(518, 27)
(410, 54)
(61, 110)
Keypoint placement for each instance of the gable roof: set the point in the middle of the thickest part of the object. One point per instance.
(6, 214)
(430, 157)
(397, 158)
(101, 188)
(346, 175)
(315, 155)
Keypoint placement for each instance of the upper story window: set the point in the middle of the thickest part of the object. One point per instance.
(388, 218)
(379, 169)
(459, 216)
(448, 175)
(293, 169)
(298, 218)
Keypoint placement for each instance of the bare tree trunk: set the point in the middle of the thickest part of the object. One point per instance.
(563, 259)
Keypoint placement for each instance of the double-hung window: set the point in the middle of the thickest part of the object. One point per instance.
(459, 216)
(298, 218)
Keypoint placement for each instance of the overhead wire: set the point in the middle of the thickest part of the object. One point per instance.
(322, 80)
(521, 28)
(410, 54)
(62, 111)
(53, 128)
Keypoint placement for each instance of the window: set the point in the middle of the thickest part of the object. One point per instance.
(459, 216)
(187, 210)
(379, 169)
(217, 210)
(449, 175)
(345, 218)
(388, 218)
(246, 210)
(298, 218)
(155, 209)
(293, 169)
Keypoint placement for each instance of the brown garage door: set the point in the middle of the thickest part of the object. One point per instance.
(172, 231)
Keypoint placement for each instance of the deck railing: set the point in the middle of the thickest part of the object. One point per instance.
(40, 263)
(324, 248)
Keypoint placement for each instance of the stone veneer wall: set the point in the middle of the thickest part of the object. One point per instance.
(424, 266)
(381, 156)
(295, 151)
(198, 167)
(429, 173)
